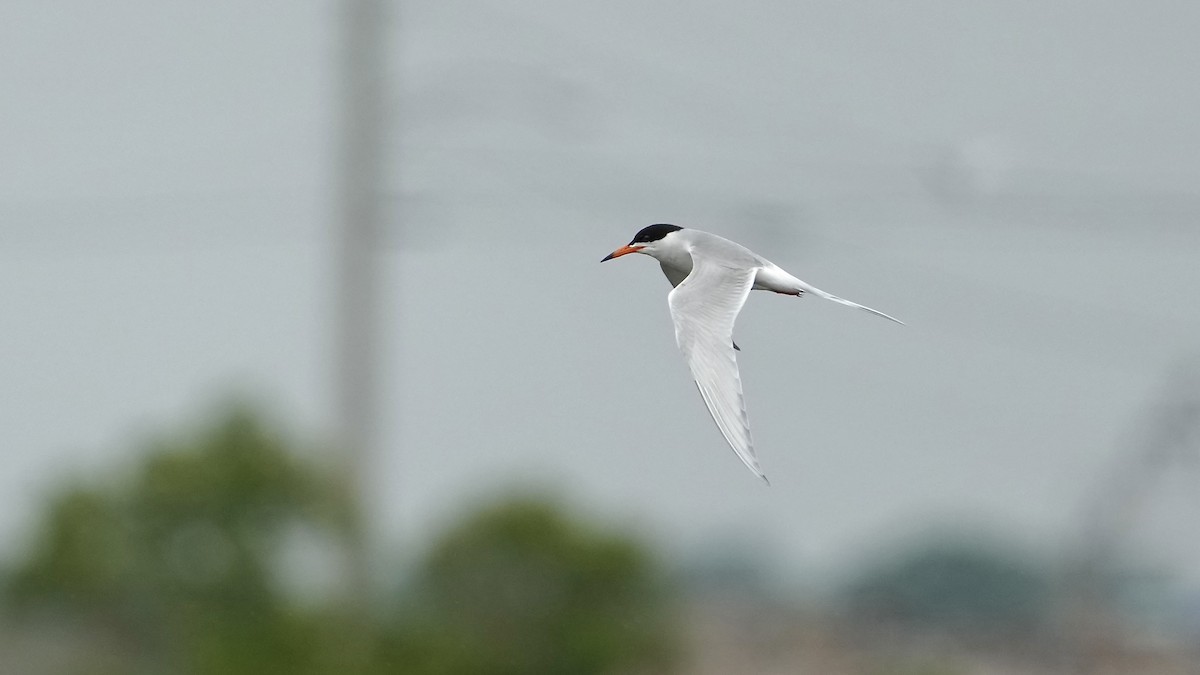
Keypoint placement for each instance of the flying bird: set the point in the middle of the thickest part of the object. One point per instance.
(712, 277)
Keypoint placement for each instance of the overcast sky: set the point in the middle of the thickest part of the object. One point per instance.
(1015, 180)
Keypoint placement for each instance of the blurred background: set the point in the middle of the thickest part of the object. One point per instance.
(309, 365)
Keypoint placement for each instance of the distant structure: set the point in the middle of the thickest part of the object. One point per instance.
(1170, 439)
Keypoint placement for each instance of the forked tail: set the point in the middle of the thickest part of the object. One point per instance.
(830, 296)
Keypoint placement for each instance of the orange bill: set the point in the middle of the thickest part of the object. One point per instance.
(624, 250)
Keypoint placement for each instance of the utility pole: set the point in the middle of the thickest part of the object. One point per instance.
(359, 217)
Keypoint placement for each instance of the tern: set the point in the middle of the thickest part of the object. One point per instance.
(711, 278)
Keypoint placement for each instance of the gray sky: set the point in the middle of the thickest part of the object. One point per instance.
(1016, 180)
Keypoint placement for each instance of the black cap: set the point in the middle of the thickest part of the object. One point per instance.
(654, 233)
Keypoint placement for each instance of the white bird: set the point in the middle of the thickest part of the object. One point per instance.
(711, 277)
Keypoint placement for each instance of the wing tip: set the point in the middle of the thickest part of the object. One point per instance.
(755, 469)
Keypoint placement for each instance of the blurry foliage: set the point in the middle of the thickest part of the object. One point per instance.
(957, 587)
(177, 569)
(181, 569)
(520, 588)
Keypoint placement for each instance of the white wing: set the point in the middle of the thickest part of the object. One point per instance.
(703, 307)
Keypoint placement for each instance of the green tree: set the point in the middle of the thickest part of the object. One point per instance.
(176, 569)
(521, 588)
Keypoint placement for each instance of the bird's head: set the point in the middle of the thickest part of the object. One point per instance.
(648, 240)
